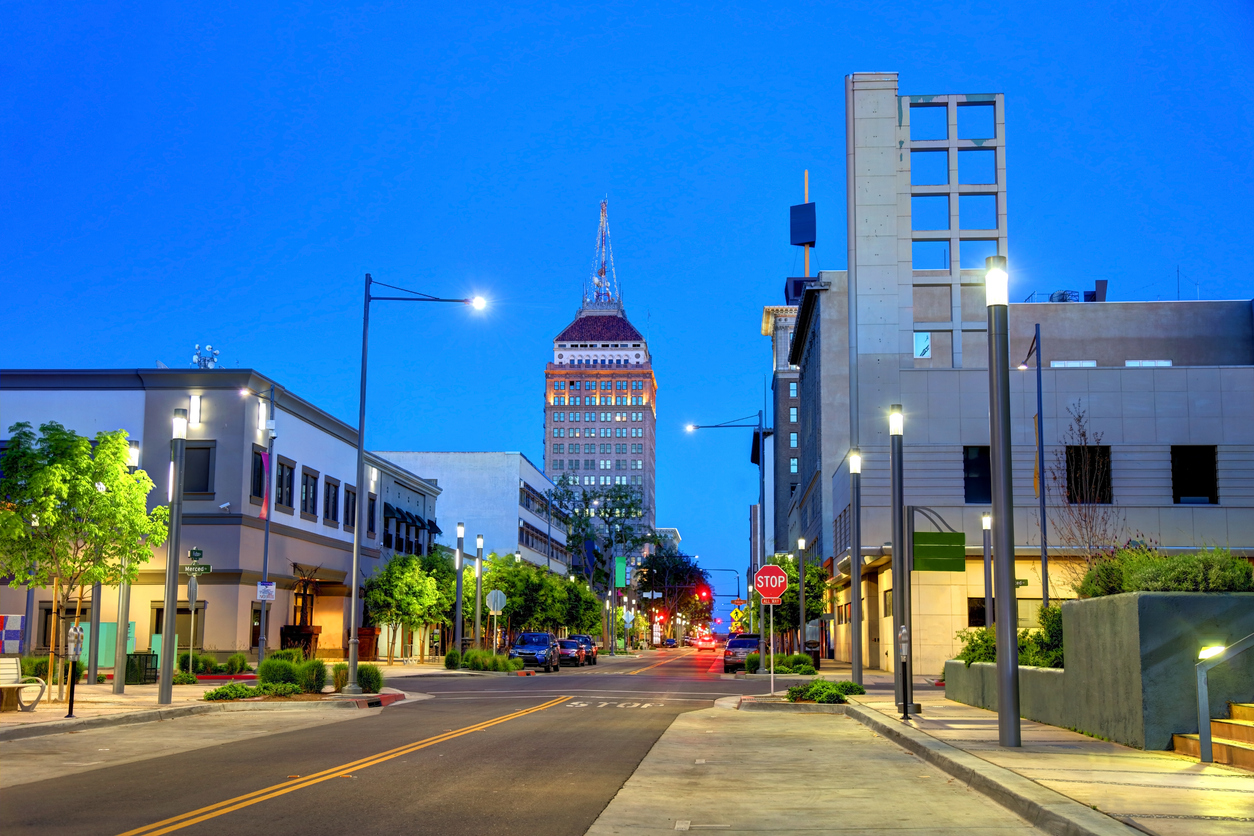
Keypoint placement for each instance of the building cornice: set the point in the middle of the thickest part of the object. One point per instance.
(770, 313)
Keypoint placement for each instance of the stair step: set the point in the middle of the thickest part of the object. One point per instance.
(1243, 711)
(1231, 752)
(1240, 730)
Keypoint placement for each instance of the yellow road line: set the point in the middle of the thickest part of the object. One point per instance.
(239, 802)
(659, 664)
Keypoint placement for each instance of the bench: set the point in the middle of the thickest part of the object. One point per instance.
(12, 684)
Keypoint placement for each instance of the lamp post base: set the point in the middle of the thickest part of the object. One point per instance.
(352, 688)
(914, 707)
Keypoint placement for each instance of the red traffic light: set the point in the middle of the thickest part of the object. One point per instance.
(718, 621)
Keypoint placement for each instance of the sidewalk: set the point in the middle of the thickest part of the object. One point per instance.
(1159, 793)
(92, 701)
(726, 771)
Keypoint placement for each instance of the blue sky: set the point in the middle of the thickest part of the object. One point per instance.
(177, 174)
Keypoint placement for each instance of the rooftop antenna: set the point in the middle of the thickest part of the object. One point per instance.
(601, 290)
(208, 359)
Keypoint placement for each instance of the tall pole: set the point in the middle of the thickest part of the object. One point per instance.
(1040, 467)
(895, 429)
(801, 595)
(478, 590)
(457, 567)
(986, 521)
(855, 566)
(170, 606)
(93, 652)
(761, 534)
(363, 493)
(998, 302)
(270, 470)
(120, 640)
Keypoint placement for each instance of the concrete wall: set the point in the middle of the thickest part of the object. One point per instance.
(1130, 667)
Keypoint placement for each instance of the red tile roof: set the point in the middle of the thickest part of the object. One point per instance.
(600, 328)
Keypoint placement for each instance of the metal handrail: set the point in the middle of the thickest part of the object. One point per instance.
(1205, 753)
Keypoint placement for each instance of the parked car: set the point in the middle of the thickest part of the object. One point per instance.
(571, 653)
(707, 643)
(668, 642)
(589, 647)
(737, 651)
(689, 640)
(538, 649)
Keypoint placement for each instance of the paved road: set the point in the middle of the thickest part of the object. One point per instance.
(509, 755)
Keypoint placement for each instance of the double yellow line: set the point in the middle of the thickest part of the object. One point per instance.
(239, 802)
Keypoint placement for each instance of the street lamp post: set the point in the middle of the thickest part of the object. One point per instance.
(1040, 459)
(901, 600)
(855, 565)
(478, 304)
(267, 425)
(986, 522)
(761, 432)
(997, 299)
(457, 571)
(801, 594)
(170, 607)
(478, 589)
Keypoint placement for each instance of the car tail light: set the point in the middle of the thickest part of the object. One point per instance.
(727, 653)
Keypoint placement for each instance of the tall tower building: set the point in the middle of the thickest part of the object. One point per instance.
(600, 395)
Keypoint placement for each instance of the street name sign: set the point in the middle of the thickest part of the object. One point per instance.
(1021, 581)
(265, 590)
(770, 582)
(195, 568)
(496, 602)
(195, 554)
(940, 551)
(739, 602)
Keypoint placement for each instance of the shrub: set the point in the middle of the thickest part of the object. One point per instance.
(100, 679)
(240, 691)
(782, 669)
(230, 691)
(277, 689)
(295, 655)
(804, 670)
(38, 666)
(453, 660)
(184, 678)
(751, 663)
(819, 691)
(794, 660)
(200, 663)
(515, 664)
(1043, 649)
(312, 676)
(276, 670)
(370, 678)
(826, 692)
(339, 676)
(237, 663)
(1143, 569)
(979, 644)
(846, 687)
(477, 660)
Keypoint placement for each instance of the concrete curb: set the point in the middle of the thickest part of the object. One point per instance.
(1050, 811)
(158, 714)
(750, 704)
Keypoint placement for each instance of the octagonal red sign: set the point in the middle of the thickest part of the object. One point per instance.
(770, 582)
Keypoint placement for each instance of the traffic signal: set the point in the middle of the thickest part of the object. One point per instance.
(718, 621)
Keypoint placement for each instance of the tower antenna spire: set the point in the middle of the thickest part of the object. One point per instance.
(601, 289)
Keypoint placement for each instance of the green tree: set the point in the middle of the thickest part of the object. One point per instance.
(672, 581)
(400, 595)
(72, 516)
(787, 612)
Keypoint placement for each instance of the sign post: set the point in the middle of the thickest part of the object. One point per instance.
(770, 582)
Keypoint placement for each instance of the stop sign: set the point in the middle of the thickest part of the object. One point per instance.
(770, 582)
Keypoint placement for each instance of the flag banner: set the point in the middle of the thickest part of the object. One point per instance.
(12, 626)
(265, 500)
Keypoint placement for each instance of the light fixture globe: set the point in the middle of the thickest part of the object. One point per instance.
(896, 421)
(478, 303)
(996, 281)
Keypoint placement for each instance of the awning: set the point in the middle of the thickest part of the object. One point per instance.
(388, 511)
(418, 521)
(435, 529)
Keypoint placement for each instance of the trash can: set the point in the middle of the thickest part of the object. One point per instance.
(812, 650)
(141, 668)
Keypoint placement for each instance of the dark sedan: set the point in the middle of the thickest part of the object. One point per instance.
(538, 649)
(589, 647)
(571, 653)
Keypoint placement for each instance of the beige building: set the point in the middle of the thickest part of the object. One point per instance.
(1166, 388)
(310, 480)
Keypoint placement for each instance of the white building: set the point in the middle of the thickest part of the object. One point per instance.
(310, 481)
(499, 495)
